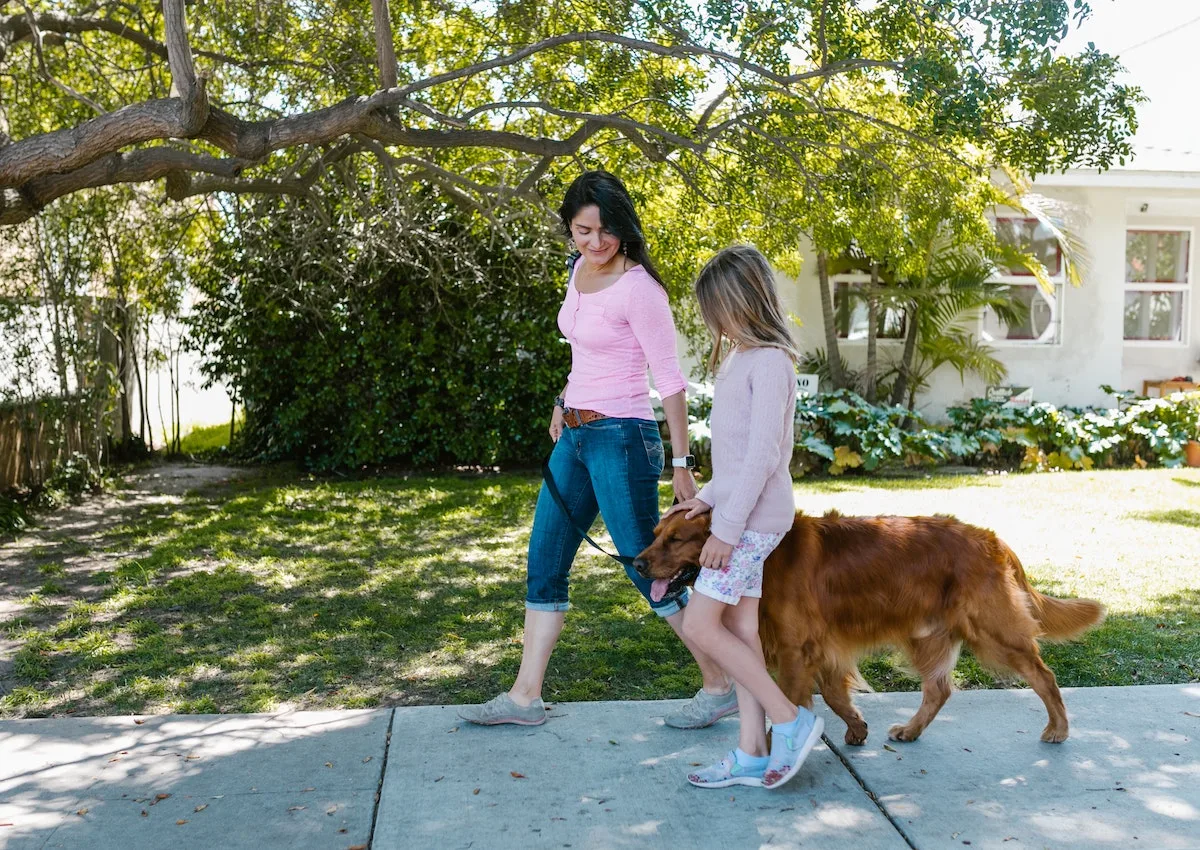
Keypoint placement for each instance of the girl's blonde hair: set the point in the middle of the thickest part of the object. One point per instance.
(739, 303)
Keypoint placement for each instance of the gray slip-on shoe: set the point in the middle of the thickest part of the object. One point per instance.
(704, 709)
(502, 709)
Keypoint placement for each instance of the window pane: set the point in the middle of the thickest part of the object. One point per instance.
(1156, 256)
(1029, 234)
(850, 313)
(1154, 316)
(1040, 326)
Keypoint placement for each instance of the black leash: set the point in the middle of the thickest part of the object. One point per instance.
(623, 560)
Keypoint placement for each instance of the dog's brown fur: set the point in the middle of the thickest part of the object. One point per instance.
(838, 586)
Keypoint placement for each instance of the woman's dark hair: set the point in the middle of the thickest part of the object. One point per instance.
(616, 213)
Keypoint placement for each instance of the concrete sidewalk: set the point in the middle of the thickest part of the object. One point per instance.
(601, 775)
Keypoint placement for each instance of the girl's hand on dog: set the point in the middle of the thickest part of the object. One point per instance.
(694, 508)
(556, 423)
(716, 553)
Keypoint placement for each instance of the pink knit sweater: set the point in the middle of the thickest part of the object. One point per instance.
(753, 414)
(614, 334)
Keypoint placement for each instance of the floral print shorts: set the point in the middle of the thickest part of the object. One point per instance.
(742, 576)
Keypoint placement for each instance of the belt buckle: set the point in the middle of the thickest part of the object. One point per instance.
(571, 418)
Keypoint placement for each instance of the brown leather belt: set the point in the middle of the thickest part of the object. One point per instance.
(574, 418)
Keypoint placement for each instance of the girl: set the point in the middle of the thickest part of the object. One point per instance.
(750, 495)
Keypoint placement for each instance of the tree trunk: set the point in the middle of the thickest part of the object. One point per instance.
(872, 333)
(910, 349)
(832, 355)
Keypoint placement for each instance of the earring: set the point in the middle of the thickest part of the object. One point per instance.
(625, 248)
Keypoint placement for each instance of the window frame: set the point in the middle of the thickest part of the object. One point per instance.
(853, 279)
(1155, 286)
(1057, 309)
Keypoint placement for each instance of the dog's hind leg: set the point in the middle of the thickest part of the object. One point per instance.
(934, 657)
(1021, 654)
(835, 688)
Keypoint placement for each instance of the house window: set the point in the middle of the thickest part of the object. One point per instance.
(1157, 285)
(851, 314)
(1043, 325)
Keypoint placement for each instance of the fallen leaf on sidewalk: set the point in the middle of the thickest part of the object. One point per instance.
(476, 791)
(890, 749)
(82, 812)
(139, 722)
(296, 808)
(454, 729)
(516, 775)
(329, 764)
(367, 759)
(1191, 714)
(158, 798)
(439, 779)
(191, 757)
(332, 810)
(180, 822)
(200, 807)
(145, 813)
(357, 847)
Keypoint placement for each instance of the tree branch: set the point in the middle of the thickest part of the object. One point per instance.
(17, 205)
(385, 48)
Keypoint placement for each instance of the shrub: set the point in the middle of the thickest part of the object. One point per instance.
(14, 515)
(437, 347)
(838, 432)
(75, 477)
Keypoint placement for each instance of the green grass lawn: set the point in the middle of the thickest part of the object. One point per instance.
(204, 439)
(319, 594)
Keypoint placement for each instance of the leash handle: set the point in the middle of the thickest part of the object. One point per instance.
(623, 560)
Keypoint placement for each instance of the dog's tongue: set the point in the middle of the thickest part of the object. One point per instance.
(659, 589)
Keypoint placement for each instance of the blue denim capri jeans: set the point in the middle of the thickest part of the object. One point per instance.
(608, 467)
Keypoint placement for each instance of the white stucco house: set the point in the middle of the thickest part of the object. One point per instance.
(1135, 318)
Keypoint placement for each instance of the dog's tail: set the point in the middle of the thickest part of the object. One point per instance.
(1061, 619)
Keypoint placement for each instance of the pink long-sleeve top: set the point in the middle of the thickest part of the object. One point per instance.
(753, 425)
(615, 334)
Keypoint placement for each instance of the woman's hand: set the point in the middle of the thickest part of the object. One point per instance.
(556, 423)
(683, 484)
(715, 554)
(694, 508)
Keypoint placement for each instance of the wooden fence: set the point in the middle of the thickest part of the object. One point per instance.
(36, 436)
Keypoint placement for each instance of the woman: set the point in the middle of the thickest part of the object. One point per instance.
(607, 454)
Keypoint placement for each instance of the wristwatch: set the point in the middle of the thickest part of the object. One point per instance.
(685, 462)
(558, 402)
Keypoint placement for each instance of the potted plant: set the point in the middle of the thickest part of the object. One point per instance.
(1191, 452)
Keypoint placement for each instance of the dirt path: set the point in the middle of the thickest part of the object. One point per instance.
(66, 538)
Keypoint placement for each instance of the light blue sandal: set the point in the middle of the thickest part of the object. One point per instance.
(790, 745)
(727, 772)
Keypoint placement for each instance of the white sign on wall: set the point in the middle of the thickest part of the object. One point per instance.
(1011, 396)
(807, 384)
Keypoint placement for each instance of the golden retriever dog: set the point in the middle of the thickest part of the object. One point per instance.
(838, 586)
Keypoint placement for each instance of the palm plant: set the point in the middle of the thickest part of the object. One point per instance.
(958, 282)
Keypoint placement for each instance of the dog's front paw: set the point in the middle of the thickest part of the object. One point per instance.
(856, 734)
(1051, 735)
(900, 732)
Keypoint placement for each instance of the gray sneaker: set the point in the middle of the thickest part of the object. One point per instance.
(704, 709)
(502, 709)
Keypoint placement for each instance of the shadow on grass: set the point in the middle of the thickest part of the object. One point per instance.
(1178, 516)
(319, 596)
